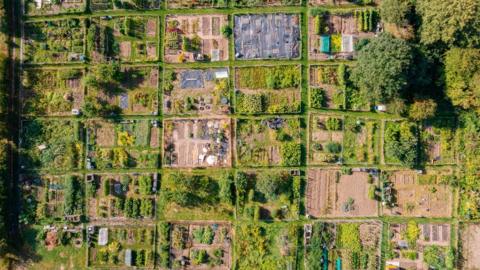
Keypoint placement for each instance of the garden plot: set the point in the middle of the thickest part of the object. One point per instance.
(350, 245)
(272, 141)
(132, 90)
(52, 91)
(201, 245)
(125, 38)
(58, 246)
(400, 143)
(333, 194)
(251, 3)
(438, 136)
(276, 195)
(419, 246)
(327, 86)
(118, 197)
(266, 245)
(342, 2)
(470, 244)
(268, 89)
(196, 91)
(121, 246)
(34, 7)
(326, 137)
(205, 142)
(122, 145)
(58, 41)
(333, 35)
(266, 36)
(361, 140)
(173, 4)
(124, 4)
(407, 193)
(197, 195)
(51, 145)
(51, 199)
(192, 38)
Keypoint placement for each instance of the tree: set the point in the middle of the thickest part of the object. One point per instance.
(383, 67)
(422, 109)
(451, 22)
(396, 11)
(270, 185)
(462, 76)
(226, 31)
(401, 143)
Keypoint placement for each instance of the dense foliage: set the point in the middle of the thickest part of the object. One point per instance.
(383, 68)
(401, 143)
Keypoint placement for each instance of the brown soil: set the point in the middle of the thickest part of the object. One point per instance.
(470, 239)
(51, 240)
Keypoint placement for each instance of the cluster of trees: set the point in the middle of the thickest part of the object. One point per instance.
(401, 142)
(196, 190)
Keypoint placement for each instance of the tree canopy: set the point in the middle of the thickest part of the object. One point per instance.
(383, 68)
(396, 11)
(462, 75)
(451, 22)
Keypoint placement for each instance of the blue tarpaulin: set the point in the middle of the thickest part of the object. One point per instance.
(325, 44)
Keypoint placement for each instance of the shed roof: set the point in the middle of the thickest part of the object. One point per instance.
(325, 44)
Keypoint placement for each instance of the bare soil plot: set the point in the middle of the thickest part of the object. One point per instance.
(58, 41)
(33, 7)
(325, 139)
(205, 142)
(470, 241)
(333, 35)
(125, 38)
(121, 197)
(429, 234)
(52, 91)
(420, 195)
(196, 91)
(189, 239)
(267, 36)
(192, 38)
(331, 194)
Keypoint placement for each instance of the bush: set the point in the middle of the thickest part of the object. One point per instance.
(333, 148)
(422, 109)
(333, 123)
(317, 98)
(291, 154)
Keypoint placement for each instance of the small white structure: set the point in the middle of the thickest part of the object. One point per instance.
(103, 236)
(381, 108)
(221, 74)
(128, 257)
(75, 112)
(347, 43)
(42, 147)
(211, 160)
(215, 55)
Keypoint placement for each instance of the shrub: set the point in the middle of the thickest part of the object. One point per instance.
(291, 154)
(317, 98)
(333, 148)
(333, 123)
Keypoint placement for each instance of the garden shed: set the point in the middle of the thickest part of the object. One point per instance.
(103, 236)
(128, 257)
(325, 44)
